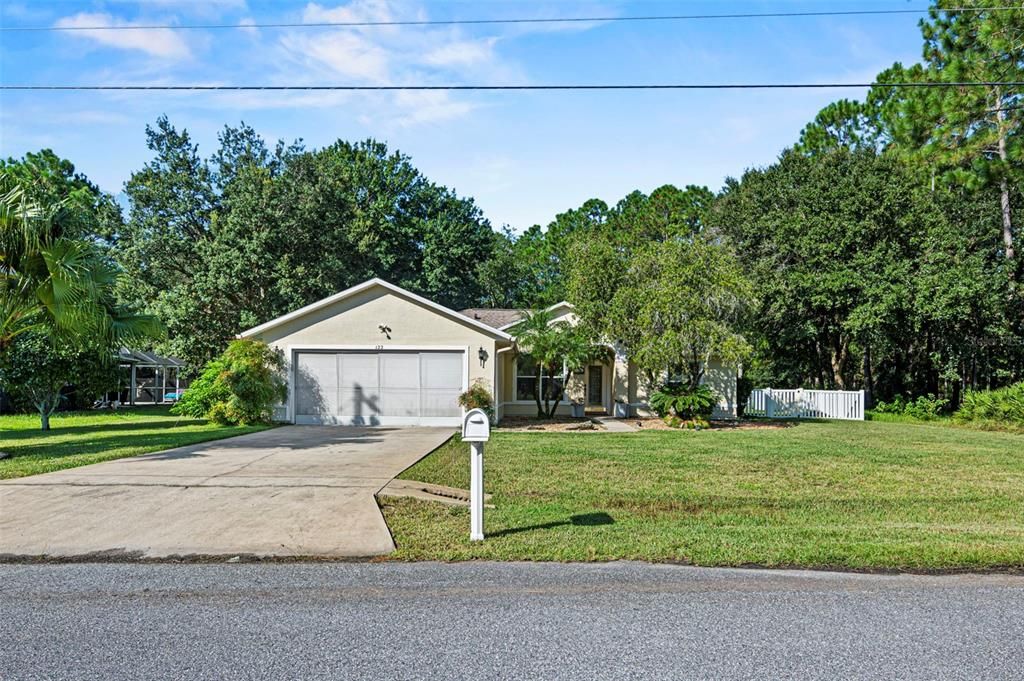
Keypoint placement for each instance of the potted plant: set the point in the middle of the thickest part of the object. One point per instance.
(478, 397)
(578, 410)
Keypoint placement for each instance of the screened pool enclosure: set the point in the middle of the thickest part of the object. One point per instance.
(146, 378)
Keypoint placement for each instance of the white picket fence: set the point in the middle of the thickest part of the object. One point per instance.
(806, 404)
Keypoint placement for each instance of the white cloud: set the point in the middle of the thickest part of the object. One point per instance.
(270, 100)
(391, 55)
(461, 53)
(356, 11)
(429, 106)
(342, 53)
(247, 25)
(367, 55)
(163, 43)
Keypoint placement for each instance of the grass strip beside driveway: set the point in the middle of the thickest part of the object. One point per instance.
(851, 495)
(81, 438)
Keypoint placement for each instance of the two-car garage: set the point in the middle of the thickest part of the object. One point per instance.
(379, 355)
(378, 388)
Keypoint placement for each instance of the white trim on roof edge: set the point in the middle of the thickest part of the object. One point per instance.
(564, 303)
(370, 283)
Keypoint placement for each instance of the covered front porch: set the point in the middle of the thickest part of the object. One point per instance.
(602, 388)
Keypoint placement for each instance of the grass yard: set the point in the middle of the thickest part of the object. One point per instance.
(81, 438)
(853, 495)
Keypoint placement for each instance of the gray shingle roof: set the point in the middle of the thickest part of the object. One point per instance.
(496, 317)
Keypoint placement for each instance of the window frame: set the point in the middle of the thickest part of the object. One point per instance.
(532, 376)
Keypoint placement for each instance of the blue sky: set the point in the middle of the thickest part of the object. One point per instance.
(524, 156)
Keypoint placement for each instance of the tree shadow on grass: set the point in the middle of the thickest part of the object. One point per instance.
(59, 430)
(581, 520)
(147, 442)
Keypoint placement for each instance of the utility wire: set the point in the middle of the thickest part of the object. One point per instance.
(653, 86)
(454, 22)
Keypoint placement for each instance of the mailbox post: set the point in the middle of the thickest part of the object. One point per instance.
(476, 430)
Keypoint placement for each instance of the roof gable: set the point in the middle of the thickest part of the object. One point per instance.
(366, 285)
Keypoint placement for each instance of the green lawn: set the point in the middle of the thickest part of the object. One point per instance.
(81, 438)
(868, 495)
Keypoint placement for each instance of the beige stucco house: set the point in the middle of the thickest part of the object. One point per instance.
(376, 354)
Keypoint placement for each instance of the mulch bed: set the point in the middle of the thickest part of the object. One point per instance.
(653, 423)
(557, 424)
(566, 423)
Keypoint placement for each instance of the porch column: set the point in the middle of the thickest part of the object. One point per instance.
(497, 387)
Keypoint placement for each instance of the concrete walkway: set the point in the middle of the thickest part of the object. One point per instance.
(613, 425)
(290, 491)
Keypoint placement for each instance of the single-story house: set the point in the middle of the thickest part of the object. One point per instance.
(377, 354)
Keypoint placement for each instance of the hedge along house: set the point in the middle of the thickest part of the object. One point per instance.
(377, 354)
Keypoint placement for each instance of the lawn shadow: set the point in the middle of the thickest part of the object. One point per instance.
(581, 520)
(756, 422)
(57, 429)
(148, 443)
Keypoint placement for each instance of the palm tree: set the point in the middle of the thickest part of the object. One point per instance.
(58, 285)
(21, 228)
(558, 348)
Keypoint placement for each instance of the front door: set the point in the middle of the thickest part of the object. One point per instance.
(595, 392)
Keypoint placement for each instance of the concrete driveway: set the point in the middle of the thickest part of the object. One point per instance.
(290, 491)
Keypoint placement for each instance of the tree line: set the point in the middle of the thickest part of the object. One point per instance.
(881, 251)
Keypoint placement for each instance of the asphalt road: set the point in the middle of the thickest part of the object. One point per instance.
(486, 620)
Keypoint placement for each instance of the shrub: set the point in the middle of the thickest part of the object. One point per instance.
(1005, 405)
(924, 407)
(478, 397)
(242, 386)
(897, 406)
(684, 402)
(205, 392)
(696, 423)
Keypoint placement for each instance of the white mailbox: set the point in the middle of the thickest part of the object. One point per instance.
(476, 430)
(476, 427)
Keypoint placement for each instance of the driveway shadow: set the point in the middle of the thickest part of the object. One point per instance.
(581, 520)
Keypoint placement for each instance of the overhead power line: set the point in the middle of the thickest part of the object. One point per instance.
(652, 86)
(534, 20)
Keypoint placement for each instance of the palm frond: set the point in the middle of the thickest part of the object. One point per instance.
(59, 284)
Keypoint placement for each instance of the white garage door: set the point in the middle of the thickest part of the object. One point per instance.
(378, 388)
